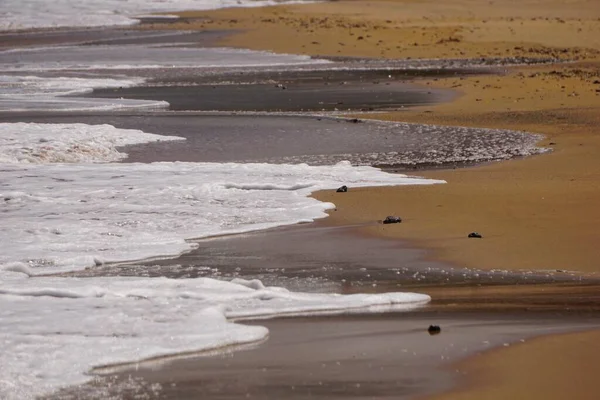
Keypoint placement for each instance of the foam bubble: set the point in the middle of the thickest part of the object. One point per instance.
(35, 93)
(66, 143)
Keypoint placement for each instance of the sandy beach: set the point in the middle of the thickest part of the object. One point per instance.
(518, 308)
(538, 213)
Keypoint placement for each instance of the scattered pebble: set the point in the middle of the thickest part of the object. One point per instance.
(434, 330)
(390, 219)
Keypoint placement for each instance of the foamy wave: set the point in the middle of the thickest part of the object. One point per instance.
(59, 86)
(68, 143)
(51, 336)
(26, 14)
(35, 93)
(138, 57)
(68, 216)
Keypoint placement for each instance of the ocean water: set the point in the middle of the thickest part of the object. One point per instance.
(24, 14)
(36, 93)
(53, 78)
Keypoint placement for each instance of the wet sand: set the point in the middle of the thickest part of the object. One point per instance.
(288, 91)
(316, 257)
(380, 356)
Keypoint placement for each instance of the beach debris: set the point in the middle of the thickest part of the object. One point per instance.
(281, 86)
(342, 189)
(434, 330)
(355, 120)
(391, 219)
(475, 235)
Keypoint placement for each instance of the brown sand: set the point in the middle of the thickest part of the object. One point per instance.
(536, 213)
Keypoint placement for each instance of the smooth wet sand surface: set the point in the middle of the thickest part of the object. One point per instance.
(381, 356)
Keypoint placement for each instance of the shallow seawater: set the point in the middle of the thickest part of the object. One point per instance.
(314, 140)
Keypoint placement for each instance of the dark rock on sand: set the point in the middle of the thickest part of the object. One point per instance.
(392, 220)
(475, 235)
(342, 189)
(434, 329)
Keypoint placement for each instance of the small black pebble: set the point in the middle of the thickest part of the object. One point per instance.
(475, 235)
(354, 120)
(434, 329)
(390, 219)
(342, 189)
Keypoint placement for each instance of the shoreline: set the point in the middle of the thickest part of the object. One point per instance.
(473, 110)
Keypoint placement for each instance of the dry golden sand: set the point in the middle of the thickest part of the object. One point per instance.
(537, 213)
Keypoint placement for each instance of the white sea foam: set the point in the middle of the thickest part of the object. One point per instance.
(26, 86)
(66, 216)
(22, 14)
(59, 216)
(35, 93)
(138, 57)
(68, 143)
(54, 330)
(59, 86)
